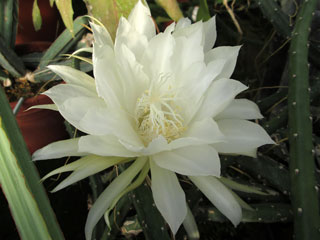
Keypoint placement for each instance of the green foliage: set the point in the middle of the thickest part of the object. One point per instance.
(10, 61)
(66, 12)
(36, 16)
(19, 167)
(64, 43)
(23, 207)
(172, 9)
(203, 13)
(9, 21)
(151, 221)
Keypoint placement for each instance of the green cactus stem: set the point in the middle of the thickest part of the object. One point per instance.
(302, 165)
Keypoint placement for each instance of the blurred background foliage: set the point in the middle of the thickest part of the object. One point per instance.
(264, 29)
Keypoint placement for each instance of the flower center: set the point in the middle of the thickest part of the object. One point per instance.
(156, 114)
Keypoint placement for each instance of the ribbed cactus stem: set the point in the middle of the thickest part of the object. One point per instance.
(302, 166)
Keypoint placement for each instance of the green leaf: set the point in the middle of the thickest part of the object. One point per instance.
(172, 8)
(23, 206)
(64, 42)
(9, 21)
(10, 61)
(66, 12)
(14, 150)
(36, 16)
(203, 13)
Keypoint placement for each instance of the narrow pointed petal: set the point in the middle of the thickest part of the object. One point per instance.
(200, 160)
(210, 34)
(219, 95)
(242, 137)
(107, 145)
(101, 35)
(106, 198)
(220, 197)
(240, 109)
(230, 54)
(241, 187)
(68, 167)
(58, 150)
(74, 76)
(190, 226)
(52, 107)
(140, 19)
(88, 166)
(168, 196)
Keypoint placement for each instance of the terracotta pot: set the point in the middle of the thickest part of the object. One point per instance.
(50, 22)
(39, 127)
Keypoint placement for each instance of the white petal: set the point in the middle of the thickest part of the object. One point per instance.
(60, 93)
(190, 226)
(241, 109)
(157, 57)
(135, 80)
(183, 23)
(205, 131)
(88, 166)
(184, 29)
(106, 198)
(220, 197)
(74, 76)
(109, 85)
(74, 110)
(168, 196)
(186, 47)
(140, 19)
(194, 82)
(99, 120)
(158, 144)
(101, 35)
(96, 121)
(219, 95)
(210, 33)
(58, 150)
(242, 137)
(229, 54)
(201, 132)
(200, 160)
(128, 36)
(107, 145)
(74, 102)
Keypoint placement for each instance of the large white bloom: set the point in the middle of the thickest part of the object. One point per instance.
(164, 101)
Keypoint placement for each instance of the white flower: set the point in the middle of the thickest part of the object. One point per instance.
(164, 101)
